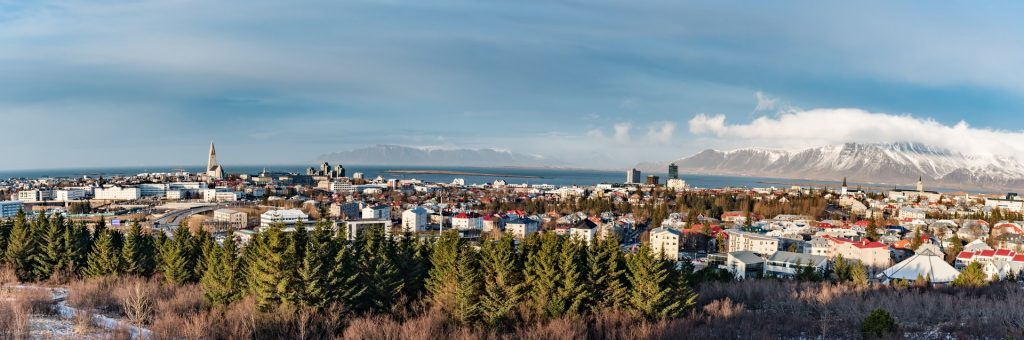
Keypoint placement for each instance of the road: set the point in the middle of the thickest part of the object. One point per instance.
(169, 221)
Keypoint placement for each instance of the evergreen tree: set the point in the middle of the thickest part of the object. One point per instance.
(20, 248)
(543, 275)
(412, 266)
(294, 256)
(50, 259)
(607, 275)
(916, 241)
(682, 295)
(652, 286)
(176, 257)
(221, 282)
(78, 250)
(872, 231)
(202, 246)
(98, 229)
(878, 324)
(377, 270)
(972, 276)
(859, 275)
(442, 281)
(269, 273)
(955, 247)
(139, 252)
(467, 290)
(344, 278)
(503, 282)
(5, 234)
(573, 289)
(314, 272)
(247, 261)
(842, 269)
(105, 257)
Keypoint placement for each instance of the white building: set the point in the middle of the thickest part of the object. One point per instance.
(347, 210)
(9, 209)
(220, 195)
(153, 190)
(283, 216)
(744, 264)
(186, 185)
(235, 218)
(584, 231)
(757, 243)
(467, 221)
(911, 213)
(633, 176)
(31, 196)
(117, 193)
(414, 219)
(787, 264)
(341, 186)
(1011, 203)
(355, 227)
(70, 194)
(665, 242)
(676, 184)
(520, 228)
(377, 212)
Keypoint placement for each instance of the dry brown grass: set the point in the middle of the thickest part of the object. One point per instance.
(137, 302)
(94, 294)
(83, 324)
(769, 308)
(13, 321)
(7, 275)
(34, 301)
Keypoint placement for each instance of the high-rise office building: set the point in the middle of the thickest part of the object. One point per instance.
(633, 176)
(673, 171)
(652, 180)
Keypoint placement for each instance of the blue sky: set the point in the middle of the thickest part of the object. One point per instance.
(601, 84)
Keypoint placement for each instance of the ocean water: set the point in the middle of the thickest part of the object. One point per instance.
(557, 177)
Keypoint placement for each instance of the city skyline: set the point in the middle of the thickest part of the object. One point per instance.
(598, 85)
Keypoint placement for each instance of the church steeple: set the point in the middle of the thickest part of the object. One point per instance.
(842, 191)
(920, 184)
(213, 170)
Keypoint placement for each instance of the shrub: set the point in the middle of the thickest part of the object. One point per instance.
(94, 294)
(13, 321)
(34, 301)
(878, 324)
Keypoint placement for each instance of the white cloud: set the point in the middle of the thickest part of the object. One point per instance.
(661, 132)
(622, 132)
(765, 102)
(809, 128)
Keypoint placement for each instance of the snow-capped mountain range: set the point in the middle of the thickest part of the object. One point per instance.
(899, 163)
(407, 155)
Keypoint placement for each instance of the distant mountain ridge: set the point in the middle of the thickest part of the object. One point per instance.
(873, 163)
(386, 154)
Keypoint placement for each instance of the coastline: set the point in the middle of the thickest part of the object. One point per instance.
(458, 173)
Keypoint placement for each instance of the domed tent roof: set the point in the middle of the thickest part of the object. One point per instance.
(927, 263)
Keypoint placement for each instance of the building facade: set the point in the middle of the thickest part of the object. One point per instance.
(665, 243)
(414, 220)
(9, 209)
(757, 243)
(284, 216)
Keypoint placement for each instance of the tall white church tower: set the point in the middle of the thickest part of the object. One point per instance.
(213, 170)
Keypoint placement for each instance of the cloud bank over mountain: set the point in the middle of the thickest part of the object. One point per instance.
(795, 129)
